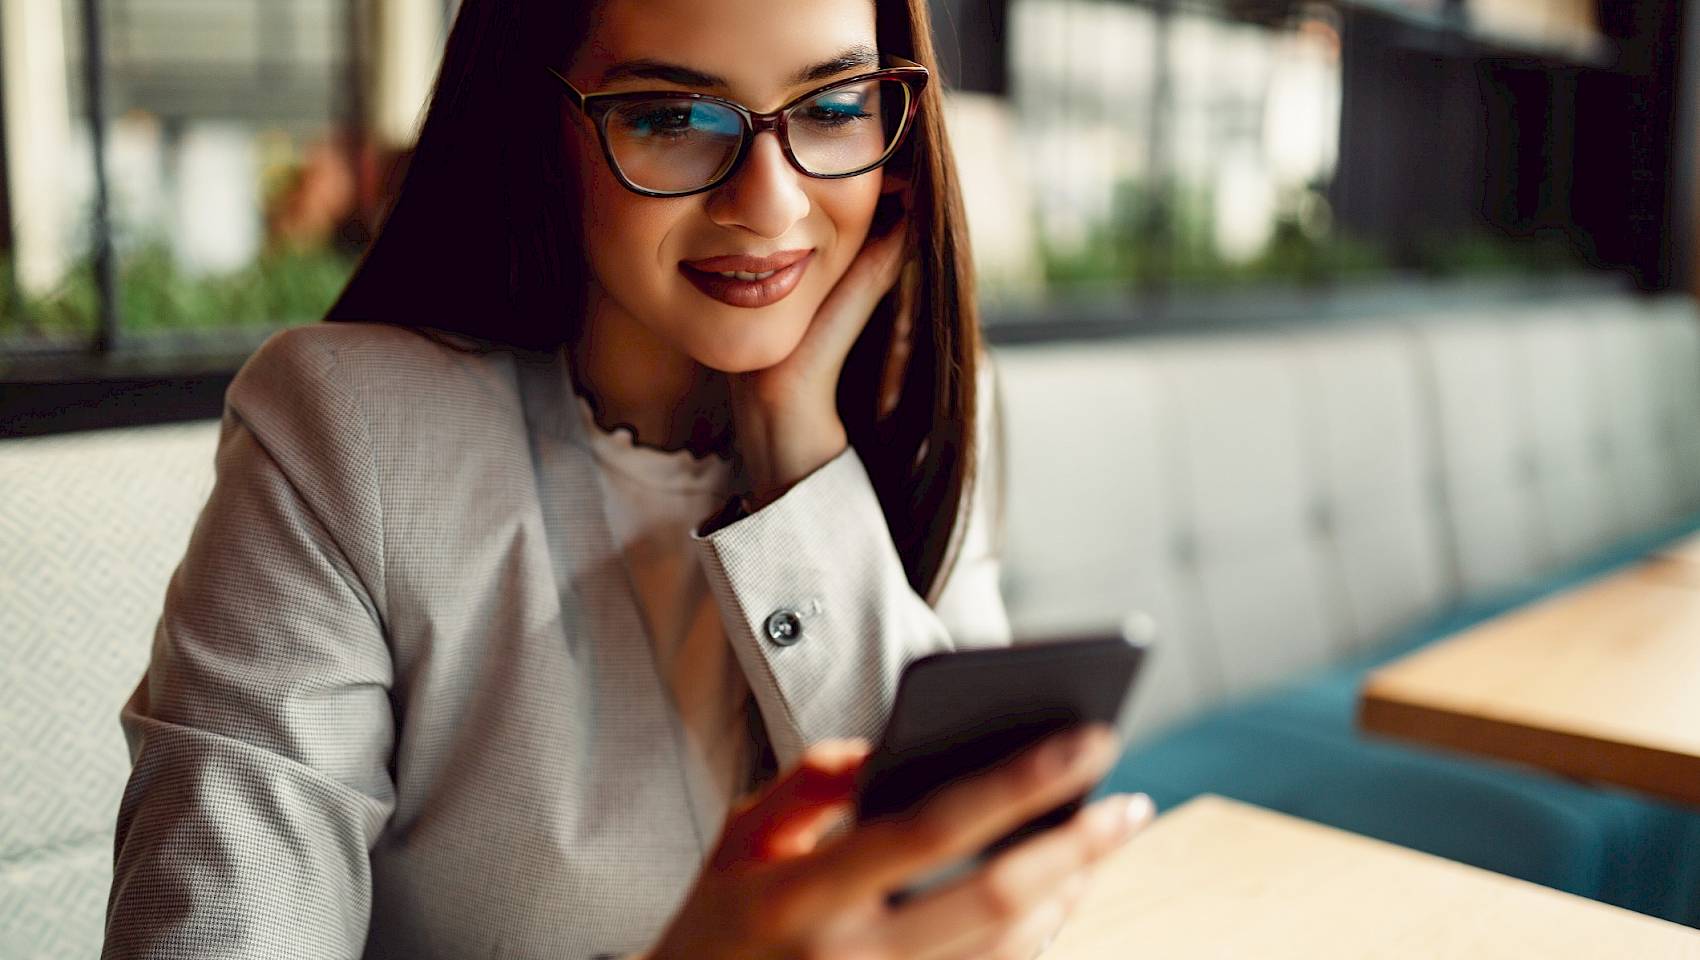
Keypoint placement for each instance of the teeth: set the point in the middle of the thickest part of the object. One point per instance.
(741, 275)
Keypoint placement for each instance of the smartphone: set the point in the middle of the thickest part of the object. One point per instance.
(958, 713)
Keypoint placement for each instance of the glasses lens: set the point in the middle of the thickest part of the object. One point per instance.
(849, 128)
(673, 144)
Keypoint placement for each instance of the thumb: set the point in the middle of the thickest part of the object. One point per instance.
(789, 817)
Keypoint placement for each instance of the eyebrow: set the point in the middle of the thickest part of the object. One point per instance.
(861, 55)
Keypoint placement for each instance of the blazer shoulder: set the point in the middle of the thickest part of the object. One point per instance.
(379, 372)
(364, 351)
(289, 392)
(332, 401)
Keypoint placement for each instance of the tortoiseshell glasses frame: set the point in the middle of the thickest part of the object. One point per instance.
(597, 107)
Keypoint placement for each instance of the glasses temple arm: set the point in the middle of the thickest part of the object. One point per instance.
(578, 98)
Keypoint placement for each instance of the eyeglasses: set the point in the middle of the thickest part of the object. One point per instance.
(674, 144)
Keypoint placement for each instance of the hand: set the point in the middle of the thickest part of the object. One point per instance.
(776, 888)
(785, 417)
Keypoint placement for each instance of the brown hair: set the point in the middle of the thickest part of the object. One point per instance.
(481, 241)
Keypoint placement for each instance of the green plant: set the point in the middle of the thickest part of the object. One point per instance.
(1490, 252)
(1161, 234)
(279, 288)
(1131, 248)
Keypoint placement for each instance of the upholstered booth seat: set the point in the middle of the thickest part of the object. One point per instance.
(1295, 505)
(91, 526)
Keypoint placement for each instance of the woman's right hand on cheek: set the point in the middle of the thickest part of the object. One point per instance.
(776, 889)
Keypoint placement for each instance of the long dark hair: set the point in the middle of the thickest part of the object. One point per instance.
(481, 241)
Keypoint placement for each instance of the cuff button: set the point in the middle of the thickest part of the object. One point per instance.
(784, 627)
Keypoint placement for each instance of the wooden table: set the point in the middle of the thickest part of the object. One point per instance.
(1672, 570)
(1600, 683)
(1679, 561)
(1216, 878)
(1685, 550)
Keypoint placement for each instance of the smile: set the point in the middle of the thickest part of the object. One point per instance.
(772, 281)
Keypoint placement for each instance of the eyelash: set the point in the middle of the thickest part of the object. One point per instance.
(657, 121)
(650, 120)
(847, 116)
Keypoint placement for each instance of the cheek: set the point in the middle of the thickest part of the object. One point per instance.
(861, 199)
(850, 206)
(626, 242)
(623, 233)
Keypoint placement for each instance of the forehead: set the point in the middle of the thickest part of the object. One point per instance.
(757, 46)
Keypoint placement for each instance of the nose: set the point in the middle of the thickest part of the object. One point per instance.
(765, 196)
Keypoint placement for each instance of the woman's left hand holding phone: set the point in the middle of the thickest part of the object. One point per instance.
(785, 417)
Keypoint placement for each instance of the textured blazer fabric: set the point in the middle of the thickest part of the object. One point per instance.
(400, 703)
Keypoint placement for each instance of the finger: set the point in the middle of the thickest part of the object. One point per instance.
(961, 819)
(870, 276)
(1030, 937)
(1022, 938)
(1025, 938)
(1016, 880)
(1038, 930)
(784, 818)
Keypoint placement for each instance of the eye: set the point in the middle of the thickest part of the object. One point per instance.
(836, 110)
(667, 119)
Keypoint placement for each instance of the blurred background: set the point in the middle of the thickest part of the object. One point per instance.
(1131, 164)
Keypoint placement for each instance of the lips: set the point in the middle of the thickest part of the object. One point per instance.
(747, 264)
(786, 268)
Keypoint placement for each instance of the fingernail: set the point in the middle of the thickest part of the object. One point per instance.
(1137, 811)
(1109, 820)
(1117, 819)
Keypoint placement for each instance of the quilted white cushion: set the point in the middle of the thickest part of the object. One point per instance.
(1487, 463)
(1090, 535)
(91, 527)
(1562, 393)
(1372, 439)
(1622, 350)
(1675, 370)
(1246, 491)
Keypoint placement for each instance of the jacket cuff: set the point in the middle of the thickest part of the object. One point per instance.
(817, 607)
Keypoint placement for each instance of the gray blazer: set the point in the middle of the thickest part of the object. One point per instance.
(400, 703)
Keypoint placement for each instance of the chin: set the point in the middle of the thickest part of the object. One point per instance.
(748, 351)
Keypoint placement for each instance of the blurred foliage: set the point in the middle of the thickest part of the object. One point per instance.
(287, 286)
(1489, 252)
(1152, 240)
(278, 289)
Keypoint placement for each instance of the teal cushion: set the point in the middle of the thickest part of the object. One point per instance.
(1297, 750)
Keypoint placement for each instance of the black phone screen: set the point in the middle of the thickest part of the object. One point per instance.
(961, 712)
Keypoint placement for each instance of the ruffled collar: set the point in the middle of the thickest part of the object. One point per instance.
(679, 471)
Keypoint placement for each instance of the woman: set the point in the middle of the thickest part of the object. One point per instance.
(517, 588)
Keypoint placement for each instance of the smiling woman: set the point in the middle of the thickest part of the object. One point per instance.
(546, 603)
(510, 230)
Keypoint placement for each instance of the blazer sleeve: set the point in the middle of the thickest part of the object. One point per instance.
(819, 611)
(260, 734)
